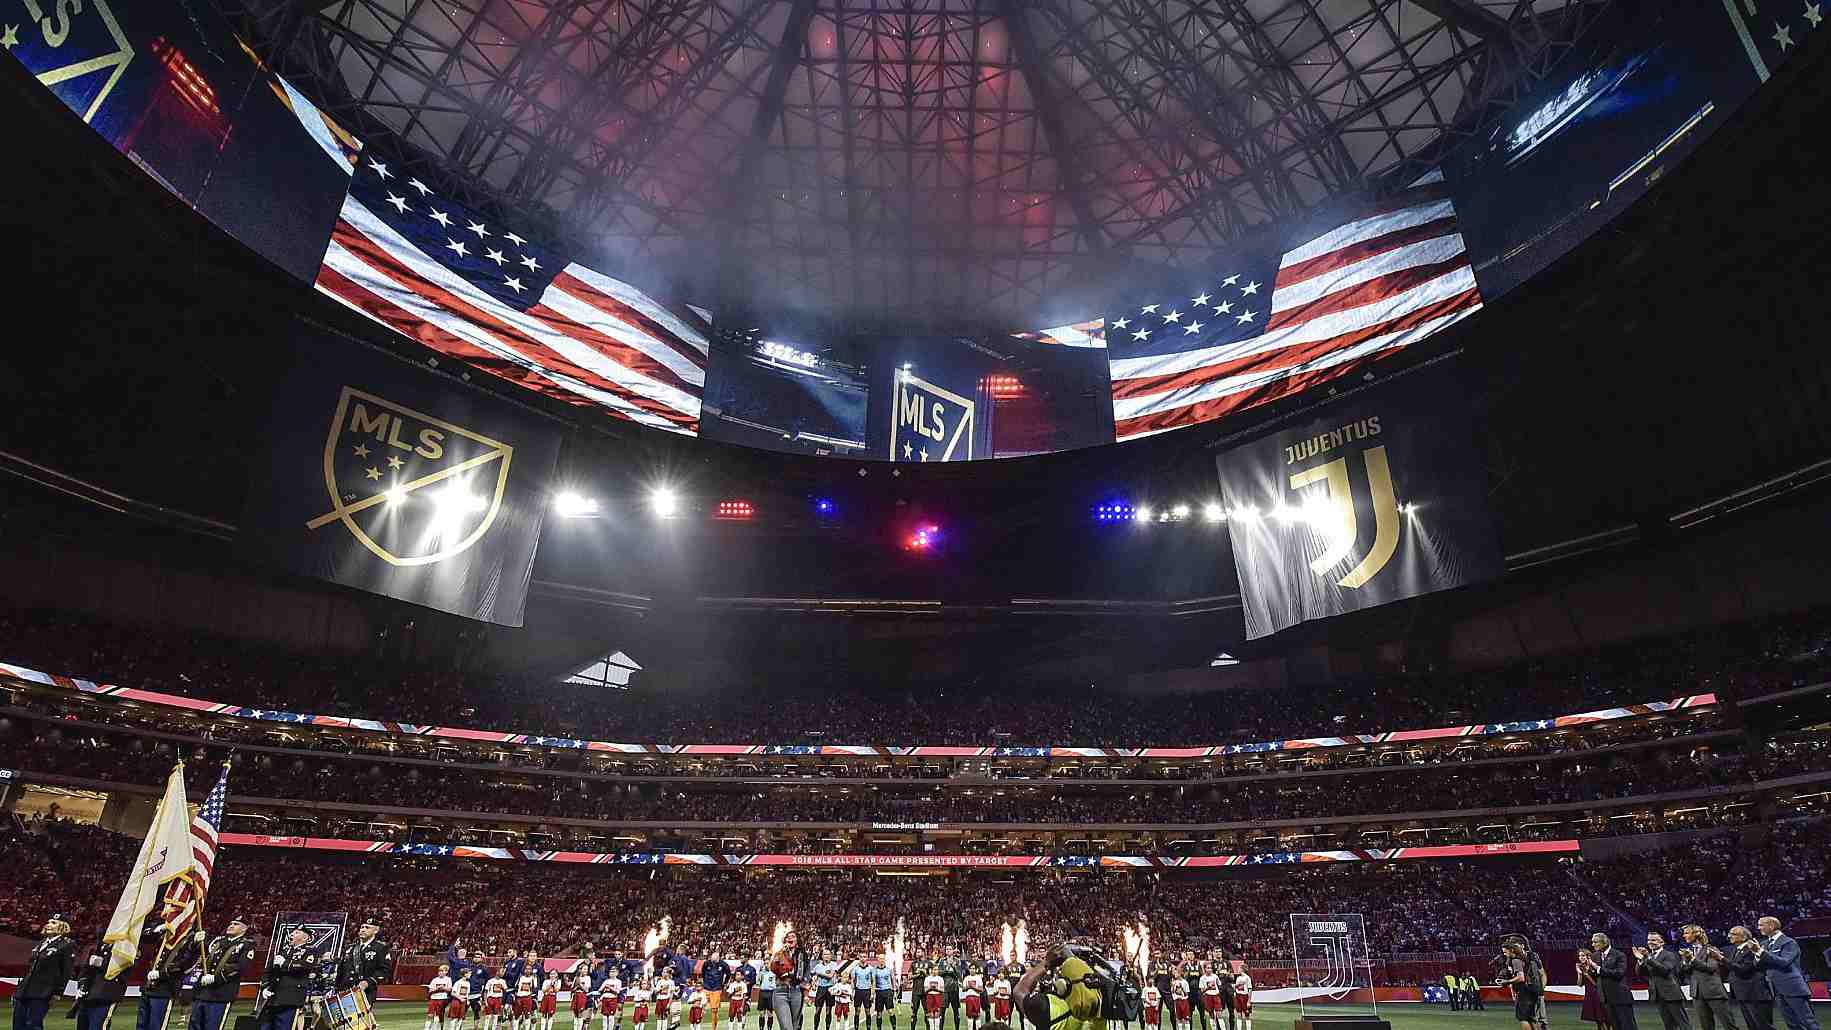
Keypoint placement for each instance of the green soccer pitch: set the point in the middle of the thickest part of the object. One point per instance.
(405, 1015)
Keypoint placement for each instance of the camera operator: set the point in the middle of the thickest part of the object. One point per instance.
(1527, 979)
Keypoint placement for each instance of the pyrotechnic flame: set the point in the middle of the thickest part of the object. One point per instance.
(782, 932)
(656, 936)
(1023, 943)
(1005, 946)
(1138, 948)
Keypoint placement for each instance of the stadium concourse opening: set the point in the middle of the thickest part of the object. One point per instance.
(963, 515)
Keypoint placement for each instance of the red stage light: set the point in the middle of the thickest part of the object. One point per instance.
(733, 510)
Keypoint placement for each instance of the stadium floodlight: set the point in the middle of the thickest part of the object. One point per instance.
(1245, 513)
(1214, 512)
(664, 502)
(1181, 511)
(395, 495)
(1144, 513)
(824, 506)
(734, 510)
(571, 505)
(1409, 508)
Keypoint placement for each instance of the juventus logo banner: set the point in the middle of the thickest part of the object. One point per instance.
(1378, 499)
(394, 481)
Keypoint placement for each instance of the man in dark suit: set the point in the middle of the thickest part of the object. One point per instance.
(225, 959)
(48, 970)
(1748, 984)
(1660, 965)
(367, 963)
(283, 984)
(1778, 956)
(1704, 966)
(1609, 965)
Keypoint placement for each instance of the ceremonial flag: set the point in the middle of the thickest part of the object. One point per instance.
(472, 288)
(165, 856)
(183, 910)
(1273, 324)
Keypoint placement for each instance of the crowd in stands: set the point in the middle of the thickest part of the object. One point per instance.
(46, 747)
(1410, 906)
(1737, 660)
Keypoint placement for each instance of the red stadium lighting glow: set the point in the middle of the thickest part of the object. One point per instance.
(733, 510)
(1002, 386)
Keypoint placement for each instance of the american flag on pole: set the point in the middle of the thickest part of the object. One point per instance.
(184, 897)
(433, 270)
(1276, 324)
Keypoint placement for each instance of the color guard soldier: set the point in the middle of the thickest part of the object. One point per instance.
(49, 969)
(162, 982)
(283, 984)
(367, 963)
(225, 959)
(96, 994)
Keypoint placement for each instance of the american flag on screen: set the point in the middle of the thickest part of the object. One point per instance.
(184, 897)
(1276, 324)
(433, 270)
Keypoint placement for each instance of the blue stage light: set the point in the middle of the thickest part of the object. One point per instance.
(1112, 511)
(824, 506)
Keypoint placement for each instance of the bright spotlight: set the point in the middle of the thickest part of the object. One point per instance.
(1214, 513)
(1409, 508)
(1281, 511)
(1246, 513)
(664, 501)
(395, 495)
(824, 506)
(572, 505)
(1143, 514)
(1181, 511)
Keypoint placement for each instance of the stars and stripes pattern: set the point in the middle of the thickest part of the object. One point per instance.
(1277, 324)
(184, 898)
(433, 270)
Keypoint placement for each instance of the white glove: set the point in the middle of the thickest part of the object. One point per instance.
(152, 974)
(198, 936)
(95, 960)
(278, 959)
(208, 979)
(266, 993)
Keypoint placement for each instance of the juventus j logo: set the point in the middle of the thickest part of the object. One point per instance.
(1342, 527)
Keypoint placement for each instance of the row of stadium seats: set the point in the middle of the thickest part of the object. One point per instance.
(1739, 660)
(1412, 906)
(119, 757)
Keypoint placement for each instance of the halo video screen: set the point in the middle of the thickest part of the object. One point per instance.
(168, 84)
(1644, 87)
(1298, 304)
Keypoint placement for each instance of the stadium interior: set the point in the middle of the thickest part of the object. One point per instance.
(747, 681)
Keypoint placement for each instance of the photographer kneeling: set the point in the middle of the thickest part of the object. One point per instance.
(1075, 988)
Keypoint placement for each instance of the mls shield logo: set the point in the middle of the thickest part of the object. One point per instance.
(412, 488)
(1331, 511)
(928, 423)
(76, 49)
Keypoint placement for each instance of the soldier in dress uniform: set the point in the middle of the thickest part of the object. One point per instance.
(96, 994)
(49, 969)
(367, 963)
(289, 969)
(162, 981)
(225, 959)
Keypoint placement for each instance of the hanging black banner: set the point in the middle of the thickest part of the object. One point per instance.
(1379, 498)
(395, 481)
